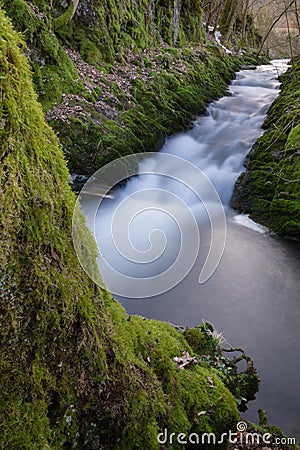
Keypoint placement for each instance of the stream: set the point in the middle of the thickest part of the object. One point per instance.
(250, 288)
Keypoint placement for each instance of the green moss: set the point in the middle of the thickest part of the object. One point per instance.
(64, 18)
(195, 339)
(164, 105)
(293, 142)
(53, 71)
(269, 190)
(24, 17)
(42, 318)
(103, 32)
(227, 15)
(76, 371)
(111, 27)
(213, 399)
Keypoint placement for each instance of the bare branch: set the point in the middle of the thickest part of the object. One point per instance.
(75, 6)
(273, 25)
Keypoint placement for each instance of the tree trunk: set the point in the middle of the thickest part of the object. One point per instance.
(272, 26)
(289, 34)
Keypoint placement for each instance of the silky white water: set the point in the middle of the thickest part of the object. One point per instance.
(153, 226)
(251, 293)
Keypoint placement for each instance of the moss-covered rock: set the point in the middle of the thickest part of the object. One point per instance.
(76, 371)
(53, 72)
(270, 188)
(160, 97)
(134, 72)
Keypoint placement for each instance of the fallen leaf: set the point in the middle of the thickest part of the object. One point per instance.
(210, 380)
(54, 255)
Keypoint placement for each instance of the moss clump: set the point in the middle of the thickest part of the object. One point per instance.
(195, 339)
(64, 18)
(206, 343)
(113, 27)
(53, 72)
(202, 339)
(270, 188)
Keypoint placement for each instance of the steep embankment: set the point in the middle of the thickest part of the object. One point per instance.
(270, 188)
(76, 371)
(119, 76)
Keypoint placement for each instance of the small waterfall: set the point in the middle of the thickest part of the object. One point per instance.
(166, 227)
(148, 229)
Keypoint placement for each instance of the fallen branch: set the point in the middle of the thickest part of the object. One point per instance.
(67, 16)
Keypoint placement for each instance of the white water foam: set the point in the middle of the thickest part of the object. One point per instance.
(245, 221)
(217, 145)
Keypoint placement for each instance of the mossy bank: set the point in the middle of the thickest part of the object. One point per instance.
(119, 77)
(76, 371)
(269, 189)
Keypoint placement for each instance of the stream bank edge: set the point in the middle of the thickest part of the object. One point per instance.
(269, 189)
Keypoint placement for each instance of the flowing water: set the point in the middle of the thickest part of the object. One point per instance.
(252, 296)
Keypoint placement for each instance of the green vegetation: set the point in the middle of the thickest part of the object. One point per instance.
(53, 72)
(75, 370)
(205, 342)
(269, 189)
(159, 106)
(152, 72)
